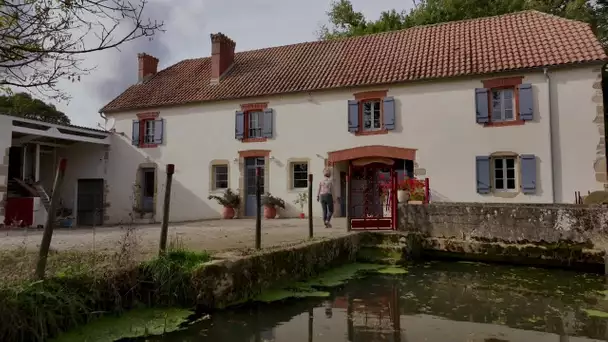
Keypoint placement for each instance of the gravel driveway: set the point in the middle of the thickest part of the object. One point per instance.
(213, 236)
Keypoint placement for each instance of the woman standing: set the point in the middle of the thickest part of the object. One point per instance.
(326, 197)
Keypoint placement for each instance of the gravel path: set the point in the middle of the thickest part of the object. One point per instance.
(213, 236)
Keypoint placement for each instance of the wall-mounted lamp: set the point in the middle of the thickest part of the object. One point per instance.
(235, 160)
(272, 158)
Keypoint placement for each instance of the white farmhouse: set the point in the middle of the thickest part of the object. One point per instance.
(498, 109)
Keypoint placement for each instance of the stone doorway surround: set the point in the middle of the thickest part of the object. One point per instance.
(242, 173)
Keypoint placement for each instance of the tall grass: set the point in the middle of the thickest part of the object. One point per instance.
(82, 286)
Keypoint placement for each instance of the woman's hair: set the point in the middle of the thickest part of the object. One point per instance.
(327, 172)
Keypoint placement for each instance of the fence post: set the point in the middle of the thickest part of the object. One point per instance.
(347, 199)
(310, 228)
(50, 220)
(166, 206)
(427, 191)
(258, 213)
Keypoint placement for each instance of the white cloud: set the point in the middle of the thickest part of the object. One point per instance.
(252, 24)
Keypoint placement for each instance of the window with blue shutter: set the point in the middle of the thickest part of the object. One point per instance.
(482, 106)
(526, 102)
(135, 133)
(353, 116)
(239, 125)
(482, 174)
(268, 123)
(389, 113)
(159, 128)
(528, 173)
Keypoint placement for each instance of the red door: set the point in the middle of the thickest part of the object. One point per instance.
(373, 197)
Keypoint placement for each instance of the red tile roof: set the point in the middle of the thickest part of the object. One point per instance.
(515, 41)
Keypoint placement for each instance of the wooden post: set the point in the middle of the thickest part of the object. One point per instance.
(348, 199)
(310, 225)
(50, 220)
(166, 206)
(258, 210)
(310, 325)
(427, 191)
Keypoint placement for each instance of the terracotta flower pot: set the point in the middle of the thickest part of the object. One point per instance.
(270, 212)
(228, 213)
(302, 215)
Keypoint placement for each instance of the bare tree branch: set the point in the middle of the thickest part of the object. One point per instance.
(44, 41)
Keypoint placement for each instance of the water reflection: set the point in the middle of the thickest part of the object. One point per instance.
(435, 302)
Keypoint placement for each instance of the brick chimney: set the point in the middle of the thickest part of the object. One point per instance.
(148, 66)
(222, 55)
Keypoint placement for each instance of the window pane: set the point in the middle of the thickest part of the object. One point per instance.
(498, 163)
(255, 124)
(300, 183)
(500, 184)
(510, 163)
(498, 173)
(508, 94)
(510, 184)
(300, 167)
(220, 174)
(508, 114)
(377, 114)
(511, 173)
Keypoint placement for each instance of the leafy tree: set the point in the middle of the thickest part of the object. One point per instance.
(346, 22)
(25, 106)
(43, 41)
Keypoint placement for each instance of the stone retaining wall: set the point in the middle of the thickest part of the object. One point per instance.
(509, 223)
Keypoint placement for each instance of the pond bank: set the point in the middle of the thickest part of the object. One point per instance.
(33, 312)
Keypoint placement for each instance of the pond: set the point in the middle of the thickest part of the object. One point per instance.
(434, 302)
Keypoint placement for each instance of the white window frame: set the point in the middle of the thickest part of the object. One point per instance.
(502, 112)
(214, 178)
(255, 124)
(293, 174)
(374, 104)
(505, 178)
(149, 131)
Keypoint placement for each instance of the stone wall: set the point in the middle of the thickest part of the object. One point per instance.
(509, 223)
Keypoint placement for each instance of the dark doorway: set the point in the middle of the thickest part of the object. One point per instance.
(251, 164)
(148, 189)
(15, 161)
(90, 202)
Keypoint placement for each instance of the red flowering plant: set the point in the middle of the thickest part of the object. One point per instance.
(415, 187)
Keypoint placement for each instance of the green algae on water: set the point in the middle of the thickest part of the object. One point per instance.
(274, 295)
(595, 313)
(392, 270)
(135, 323)
(340, 275)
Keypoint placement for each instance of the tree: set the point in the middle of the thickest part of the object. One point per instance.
(25, 106)
(346, 22)
(43, 41)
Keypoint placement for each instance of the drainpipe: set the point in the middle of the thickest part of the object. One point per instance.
(551, 128)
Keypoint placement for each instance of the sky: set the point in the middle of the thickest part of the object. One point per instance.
(252, 24)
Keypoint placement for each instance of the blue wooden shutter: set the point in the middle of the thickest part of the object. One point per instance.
(268, 122)
(239, 125)
(159, 128)
(482, 172)
(353, 116)
(482, 106)
(526, 102)
(135, 133)
(389, 113)
(528, 173)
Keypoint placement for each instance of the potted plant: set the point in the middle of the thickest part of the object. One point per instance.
(301, 200)
(271, 203)
(230, 200)
(416, 192)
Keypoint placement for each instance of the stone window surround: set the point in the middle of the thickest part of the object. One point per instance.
(362, 97)
(247, 154)
(143, 117)
(292, 161)
(504, 83)
(506, 193)
(247, 108)
(218, 162)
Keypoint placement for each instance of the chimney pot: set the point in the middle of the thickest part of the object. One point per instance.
(148, 66)
(222, 55)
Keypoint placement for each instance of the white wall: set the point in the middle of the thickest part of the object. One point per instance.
(436, 118)
(6, 133)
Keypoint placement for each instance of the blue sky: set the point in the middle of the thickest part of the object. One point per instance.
(252, 24)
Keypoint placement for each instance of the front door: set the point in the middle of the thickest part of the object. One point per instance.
(148, 187)
(251, 164)
(90, 202)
